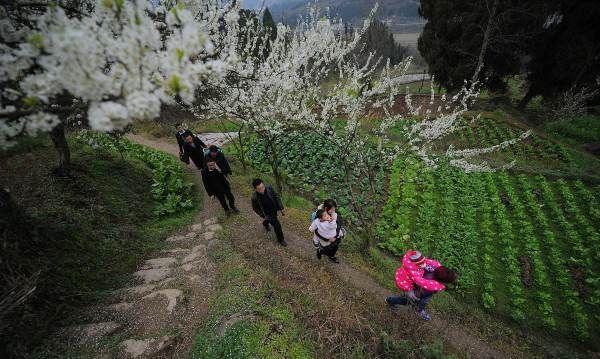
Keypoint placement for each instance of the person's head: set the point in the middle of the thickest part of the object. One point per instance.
(322, 215)
(417, 258)
(329, 205)
(210, 163)
(188, 138)
(444, 275)
(258, 185)
(213, 150)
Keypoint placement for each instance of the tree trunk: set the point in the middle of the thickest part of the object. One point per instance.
(525, 100)
(241, 150)
(274, 162)
(62, 148)
(361, 219)
(485, 42)
(422, 82)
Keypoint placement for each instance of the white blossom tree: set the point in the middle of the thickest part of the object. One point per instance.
(282, 93)
(113, 61)
(274, 87)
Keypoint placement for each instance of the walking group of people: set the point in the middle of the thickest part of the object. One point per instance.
(212, 164)
(419, 278)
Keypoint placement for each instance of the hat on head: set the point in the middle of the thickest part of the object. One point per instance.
(417, 258)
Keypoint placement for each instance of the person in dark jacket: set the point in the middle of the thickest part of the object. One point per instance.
(193, 148)
(217, 185)
(266, 203)
(219, 157)
(182, 132)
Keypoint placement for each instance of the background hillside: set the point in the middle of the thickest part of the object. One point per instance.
(395, 12)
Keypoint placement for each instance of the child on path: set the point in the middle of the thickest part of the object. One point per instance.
(325, 235)
(419, 278)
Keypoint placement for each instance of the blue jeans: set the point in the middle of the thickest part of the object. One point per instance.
(402, 300)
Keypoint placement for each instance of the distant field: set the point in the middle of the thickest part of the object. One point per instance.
(408, 39)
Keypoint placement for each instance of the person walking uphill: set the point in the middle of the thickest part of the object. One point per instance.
(193, 148)
(419, 278)
(215, 153)
(217, 185)
(325, 234)
(266, 203)
(182, 132)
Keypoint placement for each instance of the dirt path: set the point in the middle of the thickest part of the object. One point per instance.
(159, 313)
(248, 236)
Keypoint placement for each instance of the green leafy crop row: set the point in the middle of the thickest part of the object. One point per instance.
(169, 188)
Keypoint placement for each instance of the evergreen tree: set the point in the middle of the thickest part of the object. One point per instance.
(568, 54)
(379, 40)
(269, 24)
(554, 43)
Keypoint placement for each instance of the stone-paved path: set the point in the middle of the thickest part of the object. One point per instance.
(160, 312)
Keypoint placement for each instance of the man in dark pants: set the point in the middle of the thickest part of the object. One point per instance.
(182, 132)
(193, 148)
(220, 159)
(266, 203)
(217, 185)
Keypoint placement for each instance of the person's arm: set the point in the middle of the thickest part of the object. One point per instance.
(207, 186)
(185, 157)
(427, 284)
(338, 221)
(226, 168)
(257, 207)
(179, 142)
(320, 236)
(277, 200)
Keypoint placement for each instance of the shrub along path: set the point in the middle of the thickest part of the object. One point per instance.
(346, 305)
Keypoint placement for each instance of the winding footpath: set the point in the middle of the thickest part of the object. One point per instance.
(146, 319)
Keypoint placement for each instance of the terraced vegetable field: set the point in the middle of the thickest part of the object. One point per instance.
(525, 246)
(488, 132)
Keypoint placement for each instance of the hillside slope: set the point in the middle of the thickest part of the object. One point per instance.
(395, 11)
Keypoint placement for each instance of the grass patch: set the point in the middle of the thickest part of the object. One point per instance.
(579, 130)
(85, 234)
(247, 320)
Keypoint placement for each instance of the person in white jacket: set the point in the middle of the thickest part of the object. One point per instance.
(325, 234)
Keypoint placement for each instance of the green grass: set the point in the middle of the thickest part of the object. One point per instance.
(246, 320)
(25, 144)
(88, 233)
(580, 130)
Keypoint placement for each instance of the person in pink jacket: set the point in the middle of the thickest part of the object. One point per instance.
(419, 278)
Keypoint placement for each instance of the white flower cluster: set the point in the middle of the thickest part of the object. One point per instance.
(122, 60)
